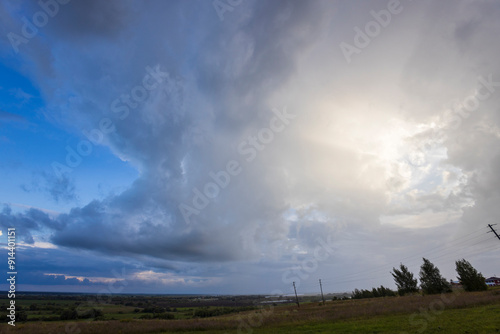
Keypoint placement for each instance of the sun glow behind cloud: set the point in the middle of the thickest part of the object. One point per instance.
(390, 155)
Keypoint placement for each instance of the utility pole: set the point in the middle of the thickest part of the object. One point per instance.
(321, 287)
(493, 230)
(296, 297)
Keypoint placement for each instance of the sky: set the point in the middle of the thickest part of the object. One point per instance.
(238, 146)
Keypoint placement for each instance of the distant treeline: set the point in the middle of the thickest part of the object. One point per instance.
(205, 312)
(431, 281)
(373, 293)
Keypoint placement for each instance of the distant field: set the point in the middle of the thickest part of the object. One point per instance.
(457, 312)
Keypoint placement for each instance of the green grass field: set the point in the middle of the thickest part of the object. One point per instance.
(458, 312)
(481, 319)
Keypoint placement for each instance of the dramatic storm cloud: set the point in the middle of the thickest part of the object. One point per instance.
(237, 146)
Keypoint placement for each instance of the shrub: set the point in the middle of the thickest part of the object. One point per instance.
(92, 313)
(69, 314)
(21, 316)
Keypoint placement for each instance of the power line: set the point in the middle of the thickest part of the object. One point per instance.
(493, 230)
(467, 255)
(416, 256)
(449, 247)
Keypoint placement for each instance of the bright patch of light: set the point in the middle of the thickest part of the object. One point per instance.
(46, 245)
(151, 276)
(425, 219)
(101, 280)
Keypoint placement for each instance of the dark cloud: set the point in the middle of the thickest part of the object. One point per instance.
(49, 269)
(158, 135)
(28, 222)
(59, 188)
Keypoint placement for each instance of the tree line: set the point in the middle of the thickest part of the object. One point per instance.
(431, 281)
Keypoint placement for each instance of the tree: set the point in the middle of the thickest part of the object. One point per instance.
(470, 279)
(360, 294)
(69, 314)
(404, 280)
(431, 280)
(385, 292)
(373, 293)
(22, 316)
